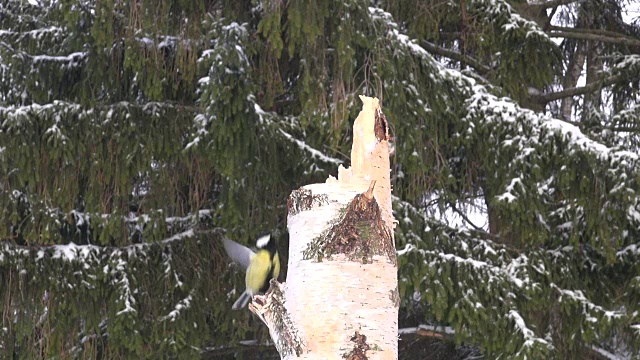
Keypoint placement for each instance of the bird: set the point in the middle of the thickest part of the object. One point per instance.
(261, 266)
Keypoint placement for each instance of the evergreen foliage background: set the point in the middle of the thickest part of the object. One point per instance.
(133, 135)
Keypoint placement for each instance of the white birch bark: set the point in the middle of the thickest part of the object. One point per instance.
(340, 297)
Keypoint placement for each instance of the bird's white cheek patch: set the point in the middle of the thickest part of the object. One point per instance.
(263, 241)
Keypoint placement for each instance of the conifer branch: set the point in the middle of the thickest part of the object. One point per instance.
(592, 31)
(429, 331)
(591, 36)
(580, 90)
(146, 107)
(478, 66)
(569, 33)
(553, 3)
(73, 252)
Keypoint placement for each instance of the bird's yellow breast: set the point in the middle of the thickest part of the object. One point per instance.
(259, 270)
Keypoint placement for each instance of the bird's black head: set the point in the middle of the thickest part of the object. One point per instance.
(266, 241)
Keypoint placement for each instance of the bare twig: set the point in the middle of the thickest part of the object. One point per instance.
(465, 218)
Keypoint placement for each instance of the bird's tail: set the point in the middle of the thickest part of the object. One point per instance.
(242, 301)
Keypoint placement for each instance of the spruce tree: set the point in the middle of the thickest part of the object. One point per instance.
(134, 135)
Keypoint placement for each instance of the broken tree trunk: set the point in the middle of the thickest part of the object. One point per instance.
(340, 299)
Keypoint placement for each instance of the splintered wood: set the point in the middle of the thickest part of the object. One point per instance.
(369, 157)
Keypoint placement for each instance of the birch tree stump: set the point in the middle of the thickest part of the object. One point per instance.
(341, 299)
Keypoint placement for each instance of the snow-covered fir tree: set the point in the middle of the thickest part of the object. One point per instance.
(134, 134)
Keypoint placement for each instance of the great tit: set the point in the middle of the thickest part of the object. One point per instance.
(261, 266)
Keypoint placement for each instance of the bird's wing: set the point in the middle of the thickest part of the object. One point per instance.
(238, 253)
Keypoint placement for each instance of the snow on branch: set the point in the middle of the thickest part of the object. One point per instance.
(520, 276)
(313, 152)
(626, 70)
(271, 119)
(627, 116)
(440, 246)
(464, 247)
(506, 273)
(36, 34)
(201, 124)
(525, 130)
(180, 307)
(491, 109)
(500, 110)
(464, 239)
(609, 355)
(123, 283)
(267, 119)
(551, 3)
(68, 61)
(628, 63)
(447, 330)
(503, 12)
(18, 113)
(577, 296)
(498, 11)
(15, 112)
(528, 334)
(631, 250)
(112, 261)
(85, 253)
(529, 130)
(402, 41)
(228, 46)
(450, 277)
(166, 41)
(89, 223)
